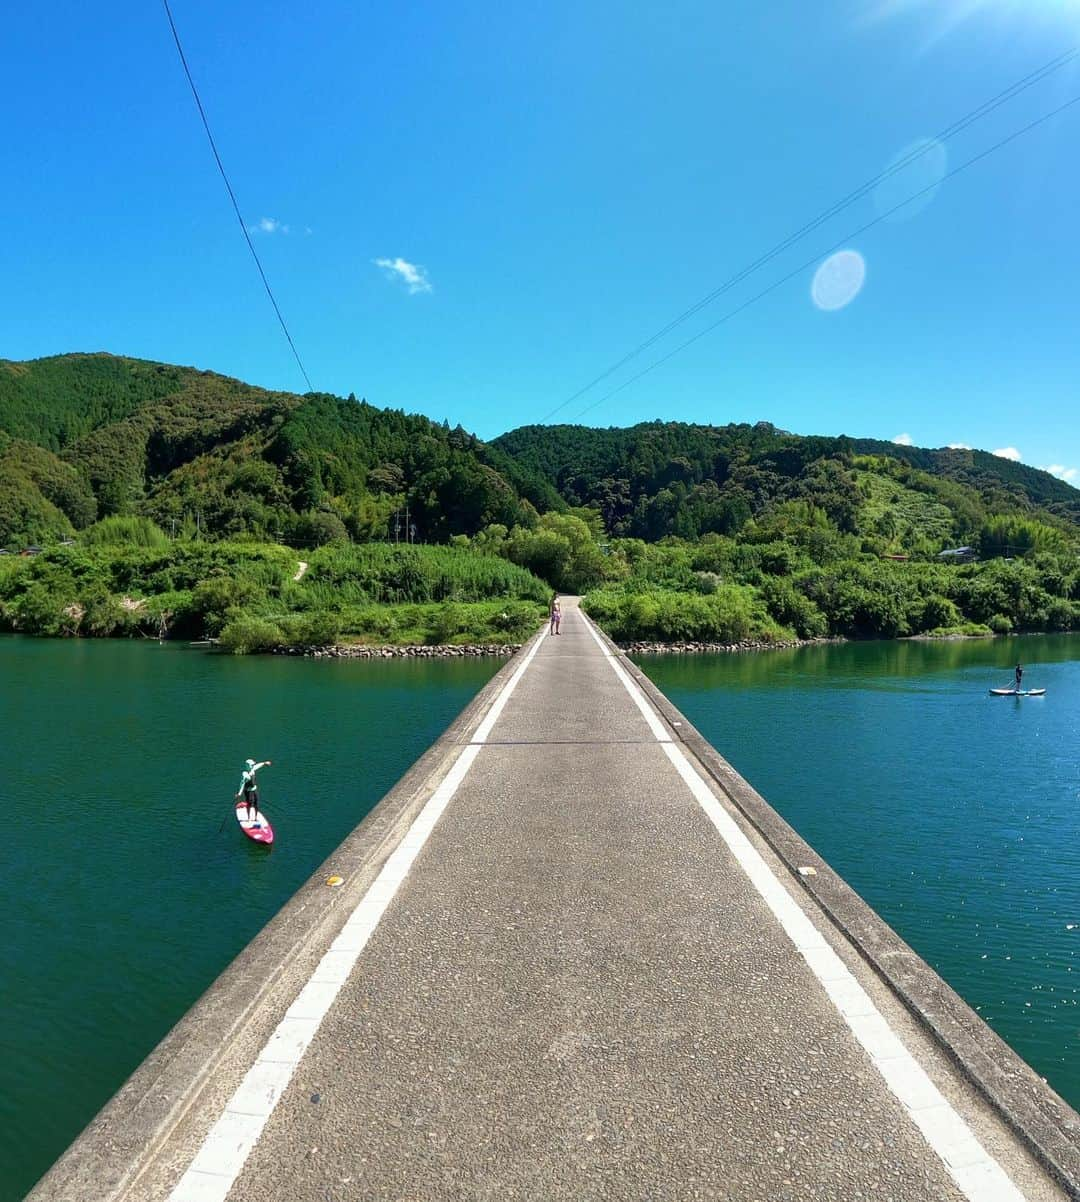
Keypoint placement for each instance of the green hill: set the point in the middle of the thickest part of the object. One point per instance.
(675, 531)
(89, 436)
(672, 478)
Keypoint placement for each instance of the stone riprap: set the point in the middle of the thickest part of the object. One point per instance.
(699, 648)
(417, 650)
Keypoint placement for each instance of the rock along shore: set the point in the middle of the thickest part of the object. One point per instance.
(702, 648)
(444, 650)
(415, 651)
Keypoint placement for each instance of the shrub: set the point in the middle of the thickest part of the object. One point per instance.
(40, 610)
(124, 531)
(727, 616)
(517, 620)
(383, 623)
(244, 634)
(212, 599)
(967, 629)
(103, 613)
(1062, 615)
(449, 622)
(318, 629)
(792, 608)
(1000, 624)
(779, 559)
(320, 529)
(395, 575)
(937, 613)
(561, 550)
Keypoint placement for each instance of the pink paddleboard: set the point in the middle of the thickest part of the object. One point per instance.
(257, 828)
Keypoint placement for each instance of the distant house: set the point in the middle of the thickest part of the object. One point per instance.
(898, 558)
(958, 554)
(30, 551)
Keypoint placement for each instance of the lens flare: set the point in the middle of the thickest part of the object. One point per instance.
(917, 171)
(943, 17)
(839, 280)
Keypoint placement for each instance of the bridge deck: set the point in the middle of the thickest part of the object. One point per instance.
(589, 985)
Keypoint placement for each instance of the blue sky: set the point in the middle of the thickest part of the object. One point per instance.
(472, 210)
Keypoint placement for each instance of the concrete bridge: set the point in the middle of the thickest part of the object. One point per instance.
(575, 956)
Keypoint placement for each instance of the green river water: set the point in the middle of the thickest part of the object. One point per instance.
(953, 813)
(121, 899)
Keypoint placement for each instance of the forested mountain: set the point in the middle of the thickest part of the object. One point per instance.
(663, 478)
(84, 437)
(89, 436)
(674, 531)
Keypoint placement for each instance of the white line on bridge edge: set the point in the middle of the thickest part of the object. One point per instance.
(223, 1153)
(974, 1170)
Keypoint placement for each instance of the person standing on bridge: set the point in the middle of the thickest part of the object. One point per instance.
(249, 790)
(556, 615)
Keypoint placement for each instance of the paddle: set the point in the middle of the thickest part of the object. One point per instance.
(226, 818)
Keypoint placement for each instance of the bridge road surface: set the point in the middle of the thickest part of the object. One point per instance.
(577, 992)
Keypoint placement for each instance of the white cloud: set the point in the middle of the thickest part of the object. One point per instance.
(1062, 472)
(959, 446)
(904, 440)
(412, 275)
(1008, 453)
(268, 225)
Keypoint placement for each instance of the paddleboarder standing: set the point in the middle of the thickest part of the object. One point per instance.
(249, 790)
(1019, 676)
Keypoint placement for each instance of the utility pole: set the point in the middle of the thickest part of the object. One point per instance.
(408, 535)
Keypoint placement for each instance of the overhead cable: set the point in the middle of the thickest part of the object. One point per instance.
(232, 196)
(835, 246)
(904, 161)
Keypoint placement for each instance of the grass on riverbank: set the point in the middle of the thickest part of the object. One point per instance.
(446, 623)
(134, 582)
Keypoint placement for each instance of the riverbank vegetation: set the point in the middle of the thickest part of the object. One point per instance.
(721, 590)
(180, 503)
(723, 534)
(125, 577)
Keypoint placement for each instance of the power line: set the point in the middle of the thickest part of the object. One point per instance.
(906, 160)
(835, 246)
(232, 196)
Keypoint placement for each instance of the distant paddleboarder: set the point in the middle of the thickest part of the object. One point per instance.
(1019, 676)
(249, 790)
